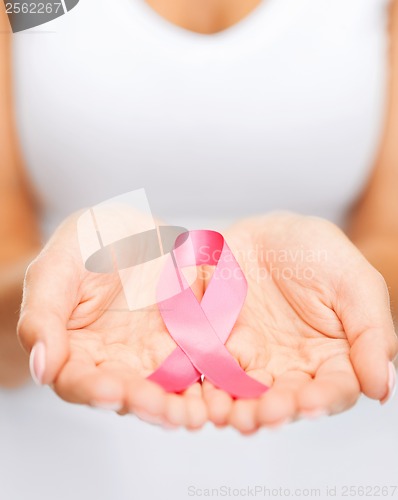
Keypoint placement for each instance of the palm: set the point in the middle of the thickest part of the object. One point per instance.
(107, 334)
(289, 335)
(309, 329)
(275, 335)
(113, 349)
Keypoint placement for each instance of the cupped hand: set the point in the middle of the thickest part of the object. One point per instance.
(90, 347)
(316, 326)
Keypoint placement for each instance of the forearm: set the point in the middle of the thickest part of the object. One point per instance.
(382, 253)
(14, 369)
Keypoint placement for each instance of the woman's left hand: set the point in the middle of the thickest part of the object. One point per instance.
(316, 325)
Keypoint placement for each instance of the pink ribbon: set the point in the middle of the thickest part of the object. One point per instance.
(200, 329)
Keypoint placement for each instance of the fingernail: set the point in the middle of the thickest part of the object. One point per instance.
(107, 405)
(313, 414)
(392, 383)
(37, 362)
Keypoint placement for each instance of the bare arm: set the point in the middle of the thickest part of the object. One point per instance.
(374, 221)
(19, 235)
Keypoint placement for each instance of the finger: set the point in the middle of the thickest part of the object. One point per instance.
(50, 291)
(218, 402)
(141, 397)
(366, 318)
(279, 405)
(243, 415)
(176, 411)
(196, 410)
(187, 409)
(148, 401)
(84, 383)
(146, 398)
(334, 388)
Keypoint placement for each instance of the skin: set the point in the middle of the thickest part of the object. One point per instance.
(19, 234)
(204, 16)
(316, 324)
(98, 352)
(312, 354)
(318, 332)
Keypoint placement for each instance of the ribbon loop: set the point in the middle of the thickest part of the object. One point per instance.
(200, 329)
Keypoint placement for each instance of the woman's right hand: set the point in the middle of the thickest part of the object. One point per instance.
(89, 347)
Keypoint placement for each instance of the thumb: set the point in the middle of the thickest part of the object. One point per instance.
(49, 298)
(364, 309)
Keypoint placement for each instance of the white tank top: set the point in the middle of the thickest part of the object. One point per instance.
(282, 111)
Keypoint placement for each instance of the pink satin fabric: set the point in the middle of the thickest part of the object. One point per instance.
(201, 329)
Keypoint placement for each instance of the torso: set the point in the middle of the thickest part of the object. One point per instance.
(281, 111)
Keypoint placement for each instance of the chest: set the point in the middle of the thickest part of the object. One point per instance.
(284, 112)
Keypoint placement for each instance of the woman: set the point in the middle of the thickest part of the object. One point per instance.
(203, 105)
